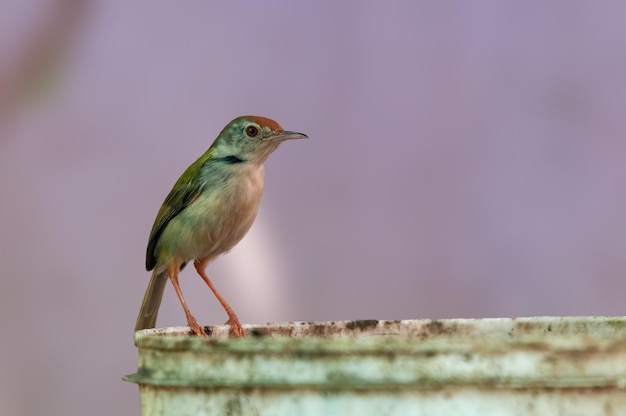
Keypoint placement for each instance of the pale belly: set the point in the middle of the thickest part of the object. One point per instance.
(215, 222)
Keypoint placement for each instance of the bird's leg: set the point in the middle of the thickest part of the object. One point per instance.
(233, 321)
(173, 270)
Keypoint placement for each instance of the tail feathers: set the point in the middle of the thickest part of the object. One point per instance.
(151, 301)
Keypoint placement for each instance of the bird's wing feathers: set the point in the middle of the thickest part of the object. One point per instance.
(181, 196)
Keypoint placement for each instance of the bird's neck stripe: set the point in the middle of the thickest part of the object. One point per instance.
(231, 160)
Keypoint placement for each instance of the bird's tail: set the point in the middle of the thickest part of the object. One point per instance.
(151, 300)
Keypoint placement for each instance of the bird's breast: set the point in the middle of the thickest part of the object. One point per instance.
(220, 217)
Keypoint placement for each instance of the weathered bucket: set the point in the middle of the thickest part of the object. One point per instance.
(525, 366)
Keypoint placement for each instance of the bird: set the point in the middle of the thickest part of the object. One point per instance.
(209, 210)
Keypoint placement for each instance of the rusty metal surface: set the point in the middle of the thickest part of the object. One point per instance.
(570, 365)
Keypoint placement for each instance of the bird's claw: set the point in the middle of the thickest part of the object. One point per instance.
(195, 328)
(235, 327)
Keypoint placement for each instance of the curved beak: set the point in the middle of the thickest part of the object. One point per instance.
(288, 135)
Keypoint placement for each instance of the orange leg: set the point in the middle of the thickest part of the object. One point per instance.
(233, 321)
(191, 321)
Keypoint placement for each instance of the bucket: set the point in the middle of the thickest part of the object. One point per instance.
(519, 366)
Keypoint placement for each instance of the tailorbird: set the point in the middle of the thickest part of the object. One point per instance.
(208, 211)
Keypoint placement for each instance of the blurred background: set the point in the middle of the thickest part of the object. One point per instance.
(465, 160)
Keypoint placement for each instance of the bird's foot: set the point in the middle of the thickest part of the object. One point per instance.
(235, 327)
(197, 329)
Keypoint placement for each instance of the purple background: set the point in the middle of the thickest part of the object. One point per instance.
(465, 160)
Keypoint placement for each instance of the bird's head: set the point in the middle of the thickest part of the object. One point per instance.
(250, 139)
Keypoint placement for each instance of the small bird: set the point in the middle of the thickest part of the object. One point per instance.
(208, 211)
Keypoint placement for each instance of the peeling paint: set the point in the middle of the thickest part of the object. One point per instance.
(520, 366)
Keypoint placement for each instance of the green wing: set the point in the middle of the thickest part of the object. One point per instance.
(184, 192)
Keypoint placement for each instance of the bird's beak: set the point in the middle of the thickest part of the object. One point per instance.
(288, 135)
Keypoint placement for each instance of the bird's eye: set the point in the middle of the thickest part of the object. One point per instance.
(252, 131)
